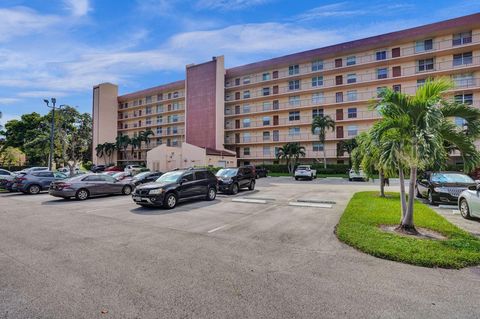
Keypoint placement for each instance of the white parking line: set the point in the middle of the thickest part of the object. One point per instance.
(218, 228)
(253, 201)
(303, 204)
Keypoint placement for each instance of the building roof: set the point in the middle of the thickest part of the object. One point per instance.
(153, 90)
(456, 24)
(211, 151)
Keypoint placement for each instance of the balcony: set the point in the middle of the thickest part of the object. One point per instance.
(304, 120)
(367, 78)
(360, 61)
(260, 154)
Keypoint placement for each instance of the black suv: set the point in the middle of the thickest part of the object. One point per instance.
(176, 185)
(230, 180)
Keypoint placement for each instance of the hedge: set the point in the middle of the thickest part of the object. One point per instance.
(331, 168)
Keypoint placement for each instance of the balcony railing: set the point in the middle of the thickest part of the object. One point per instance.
(304, 120)
(270, 154)
(359, 60)
(330, 82)
(332, 99)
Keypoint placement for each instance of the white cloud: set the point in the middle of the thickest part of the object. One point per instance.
(8, 100)
(77, 8)
(229, 5)
(41, 94)
(21, 21)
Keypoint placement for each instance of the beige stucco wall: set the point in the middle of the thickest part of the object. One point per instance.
(104, 115)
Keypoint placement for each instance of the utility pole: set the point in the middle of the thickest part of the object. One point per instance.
(52, 130)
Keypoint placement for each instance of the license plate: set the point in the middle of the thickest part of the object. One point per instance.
(138, 199)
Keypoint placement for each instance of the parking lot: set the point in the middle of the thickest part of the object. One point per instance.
(254, 255)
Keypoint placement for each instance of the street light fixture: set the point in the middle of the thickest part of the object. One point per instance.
(52, 129)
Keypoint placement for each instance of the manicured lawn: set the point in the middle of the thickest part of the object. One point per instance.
(318, 175)
(358, 227)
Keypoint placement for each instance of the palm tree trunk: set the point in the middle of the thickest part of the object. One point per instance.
(324, 157)
(407, 221)
(382, 184)
(403, 200)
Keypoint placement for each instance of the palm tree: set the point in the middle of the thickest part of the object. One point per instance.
(100, 149)
(320, 125)
(347, 146)
(109, 149)
(415, 130)
(291, 151)
(135, 142)
(123, 142)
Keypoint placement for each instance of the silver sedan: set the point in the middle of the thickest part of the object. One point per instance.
(84, 186)
(469, 202)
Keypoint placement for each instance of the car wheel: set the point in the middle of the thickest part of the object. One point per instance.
(251, 186)
(212, 193)
(170, 201)
(34, 189)
(82, 194)
(464, 209)
(234, 190)
(431, 201)
(350, 179)
(127, 190)
(296, 178)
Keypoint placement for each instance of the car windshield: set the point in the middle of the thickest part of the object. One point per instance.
(117, 175)
(303, 167)
(170, 177)
(227, 172)
(451, 178)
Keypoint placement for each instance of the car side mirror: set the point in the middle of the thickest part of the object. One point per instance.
(424, 181)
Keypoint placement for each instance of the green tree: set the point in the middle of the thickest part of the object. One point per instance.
(291, 152)
(416, 128)
(100, 152)
(11, 156)
(123, 142)
(109, 149)
(347, 146)
(320, 125)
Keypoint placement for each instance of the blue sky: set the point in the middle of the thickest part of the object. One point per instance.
(61, 48)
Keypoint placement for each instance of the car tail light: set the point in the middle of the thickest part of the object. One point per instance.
(20, 179)
(63, 185)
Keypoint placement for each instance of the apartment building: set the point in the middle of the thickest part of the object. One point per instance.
(254, 109)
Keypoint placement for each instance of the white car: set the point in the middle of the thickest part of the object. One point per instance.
(469, 202)
(304, 171)
(360, 175)
(133, 169)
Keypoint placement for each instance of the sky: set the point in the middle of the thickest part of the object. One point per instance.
(62, 48)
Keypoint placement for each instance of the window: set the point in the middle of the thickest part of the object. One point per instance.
(352, 130)
(294, 116)
(246, 151)
(317, 81)
(159, 141)
(148, 110)
(462, 38)
(351, 78)
(317, 112)
(293, 69)
(200, 175)
(169, 95)
(317, 147)
(420, 82)
(159, 119)
(351, 95)
(294, 85)
(175, 106)
(266, 91)
(352, 112)
(395, 52)
(382, 73)
(188, 177)
(159, 108)
(246, 137)
(246, 108)
(396, 71)
(148, 121)
(140, 102)
(175, 95)
(339, 97)
(266, 106)
(266, 76)
(423, 45)
(160, 97)
(338, 80)
(351, 60)
(175, 118)
(246, 80)
(135, 103)
(462, 58)
(159, 131)
(266, 150)
(175, 130)
(266, 136)
(397, 87)
(463, 80)
(381, 55)
(338, 63)
(246, 122)
(148, 99)
(317, 65)
(246, 94)
(266, 120)
(294, 131)
(317, 97)
(294, 100)
(464, 98)
(425, 65)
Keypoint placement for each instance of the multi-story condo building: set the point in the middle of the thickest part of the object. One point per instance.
(254, 109)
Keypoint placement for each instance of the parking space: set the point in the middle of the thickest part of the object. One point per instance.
(218, 259)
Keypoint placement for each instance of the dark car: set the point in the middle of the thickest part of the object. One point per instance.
(442, 187)
(177, 185)
(84, 186)
(231, 180)
(35, 182)
(146, 177)
(98, 168)
(261, 172)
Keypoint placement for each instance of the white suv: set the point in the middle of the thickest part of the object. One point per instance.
(360, 175)
(133, 169)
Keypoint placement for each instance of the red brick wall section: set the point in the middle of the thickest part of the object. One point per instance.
(200, 109)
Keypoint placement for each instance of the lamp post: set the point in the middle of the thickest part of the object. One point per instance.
(52, 130)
